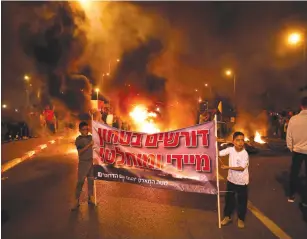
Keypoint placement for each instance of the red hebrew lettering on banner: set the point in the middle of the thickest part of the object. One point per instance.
(182, 160)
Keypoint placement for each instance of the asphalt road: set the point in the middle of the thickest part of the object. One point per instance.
(37, 196)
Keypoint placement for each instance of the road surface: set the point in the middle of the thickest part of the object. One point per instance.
(37, 196)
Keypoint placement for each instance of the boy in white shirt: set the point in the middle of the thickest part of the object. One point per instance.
(237, 180)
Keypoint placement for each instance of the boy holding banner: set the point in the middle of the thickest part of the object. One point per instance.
(84, 143)
(237, 180)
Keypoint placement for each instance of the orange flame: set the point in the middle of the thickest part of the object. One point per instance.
(143, 119)
(85, 3)
(258, 138)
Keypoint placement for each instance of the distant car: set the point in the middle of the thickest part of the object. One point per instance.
(12, 130)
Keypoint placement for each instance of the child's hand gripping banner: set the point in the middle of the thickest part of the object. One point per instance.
(183, 160)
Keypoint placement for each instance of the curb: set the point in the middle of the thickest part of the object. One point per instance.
(12, 163)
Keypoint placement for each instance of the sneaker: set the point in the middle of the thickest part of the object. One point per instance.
(76, 206)
(240, 224)
(91, 200)
(291, 199)
(226, 221)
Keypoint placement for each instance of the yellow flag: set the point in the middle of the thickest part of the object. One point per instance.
(220, 107)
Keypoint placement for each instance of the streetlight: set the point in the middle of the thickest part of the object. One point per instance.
(26, 77)
(229, 73)
(117, 60)
(296, 38)
(4, 106)
(207, 85)
(97, 91)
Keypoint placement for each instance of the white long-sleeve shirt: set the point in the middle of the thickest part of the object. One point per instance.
(237, 159)
(297, 133)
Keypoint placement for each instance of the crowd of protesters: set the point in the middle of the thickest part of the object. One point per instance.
(278, 123)
(107, 116)
(33, 125)
(48, 122)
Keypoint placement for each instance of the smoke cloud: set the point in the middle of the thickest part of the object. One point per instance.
(165, 52)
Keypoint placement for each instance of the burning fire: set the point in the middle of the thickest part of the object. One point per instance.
(246, 139)
(258, 138)
(144, 120)
(85, 3)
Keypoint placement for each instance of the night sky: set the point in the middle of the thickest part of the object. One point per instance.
(208, 37)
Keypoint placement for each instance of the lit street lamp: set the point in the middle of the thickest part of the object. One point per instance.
(117, 60)
(4, 106)
(297, 38)
(294, 38)
(26, 77)
(208, 86)
(229, 73)
(97, 91)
